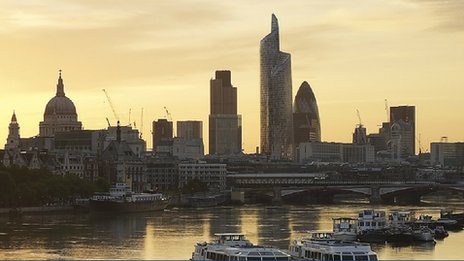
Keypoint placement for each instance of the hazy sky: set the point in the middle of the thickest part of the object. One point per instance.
(151, 54)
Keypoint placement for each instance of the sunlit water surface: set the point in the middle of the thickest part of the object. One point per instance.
(172, 234)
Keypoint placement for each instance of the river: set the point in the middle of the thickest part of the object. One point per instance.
(172, 234)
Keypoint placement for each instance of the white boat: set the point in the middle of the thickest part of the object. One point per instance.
(234, 246)
(401, 218)
(371, 220)
(423, 233)
(322, 246)
(344, 229)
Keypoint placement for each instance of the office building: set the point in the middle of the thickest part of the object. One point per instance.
(162, 129)
(306, 122)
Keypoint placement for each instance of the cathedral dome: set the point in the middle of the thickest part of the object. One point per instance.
(60, 104)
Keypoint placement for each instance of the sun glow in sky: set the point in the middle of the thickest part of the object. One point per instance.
(151, 54)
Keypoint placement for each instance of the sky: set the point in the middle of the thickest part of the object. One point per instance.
(156, 54)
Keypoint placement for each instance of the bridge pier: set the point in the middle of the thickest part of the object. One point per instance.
(277, 198)
(375, 197)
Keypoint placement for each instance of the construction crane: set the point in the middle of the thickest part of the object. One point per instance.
(108, 121)
(111, 105)
(130, 111)
(421, 149)
(359, 118)
(141, 123)
(168, 114)
(386, 109)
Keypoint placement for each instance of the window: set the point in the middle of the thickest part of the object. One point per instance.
(373, 257)
(360, 258)
(254, 258)
(336, 257)
(361, 224)
(347, 257)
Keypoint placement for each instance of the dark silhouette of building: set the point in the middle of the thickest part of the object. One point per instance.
(225, 125)
(306, 122)
(408, 115)
(190, 130)
(276, 97)
(162, 129)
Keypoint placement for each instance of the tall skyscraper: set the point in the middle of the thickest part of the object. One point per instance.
(408, 115)
(12, 142)
(225, 125)
(276, 97)
(306, 123)
(162, 129)
(190, 130)
(60, 114)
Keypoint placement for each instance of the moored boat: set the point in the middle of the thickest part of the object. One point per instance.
(121, 199)
(371, 226)
(440, 232)
(423, 234)
(344, 229)
(234, 246)
(322, 246)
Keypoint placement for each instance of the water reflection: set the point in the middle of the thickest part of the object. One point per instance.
(172, 234)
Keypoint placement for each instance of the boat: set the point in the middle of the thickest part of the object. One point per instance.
(121, 199)
(399, 234)
(449, 224)
(423, 234)
(425, 220)
(322, 246)
(234, 246)
(451, 214)
(372, 226)
(401, 218)
(344, 229)
(440, 232)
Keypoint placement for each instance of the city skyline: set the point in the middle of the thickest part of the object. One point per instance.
(338, 49)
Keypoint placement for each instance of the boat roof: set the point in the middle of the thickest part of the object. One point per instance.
(229, 234)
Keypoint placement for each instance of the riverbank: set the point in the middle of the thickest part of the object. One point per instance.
(6, 211)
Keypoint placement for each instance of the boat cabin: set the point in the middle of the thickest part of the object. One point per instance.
(344, 224)
(371, 220)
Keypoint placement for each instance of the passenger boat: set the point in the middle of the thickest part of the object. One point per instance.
(372, 226)
(423, 234)
(449, 224)
(322, 246)
(450, 214)
(425, 220)
(344, 229)
(234, 246)
(121, 199)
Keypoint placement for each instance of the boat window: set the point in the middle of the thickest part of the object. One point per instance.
(373, 224)
(373, 257)
(325, 257)
(360, 258)
(347, 257)
(254, 258)
(269, 258)
(306, 253)
(319, 256)
(242, 258)
(368, 223)
(361, 223)
(281, 258)
(336, 257)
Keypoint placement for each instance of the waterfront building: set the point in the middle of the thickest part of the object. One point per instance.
(276, 97)
(334, 152)
(407, 114)
(306, 122)
(214, 175)
(401, 136)
(225, 125)
(162, 129)
(60, 114)
(190, 130)
(162, 175)
(13, 139)
(447, 154)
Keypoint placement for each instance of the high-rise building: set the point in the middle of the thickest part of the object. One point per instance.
(408, 115)
(447, 154)
(60, 114)
(401, 140)
(12, 142)
(276, 97)
(162, 129)
(306, 122)
(225, 125)
(190, 130)
(360, 135)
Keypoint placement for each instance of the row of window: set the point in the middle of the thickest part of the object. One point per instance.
(337, 257)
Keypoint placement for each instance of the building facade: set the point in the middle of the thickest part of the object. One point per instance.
(13, 139)
(162, 129)
(225, 125)
(162, 175)
(447, 154)
(60, 114)
(306, 122)
(401, 140)
(276, 97)
(214, 175)
(335, 152)
(189, 130)
(407, 114)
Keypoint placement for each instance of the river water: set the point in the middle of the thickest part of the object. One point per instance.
(172, 234)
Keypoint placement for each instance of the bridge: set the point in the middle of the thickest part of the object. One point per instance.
(319, 185)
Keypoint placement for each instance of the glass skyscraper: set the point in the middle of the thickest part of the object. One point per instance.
(276, 97)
